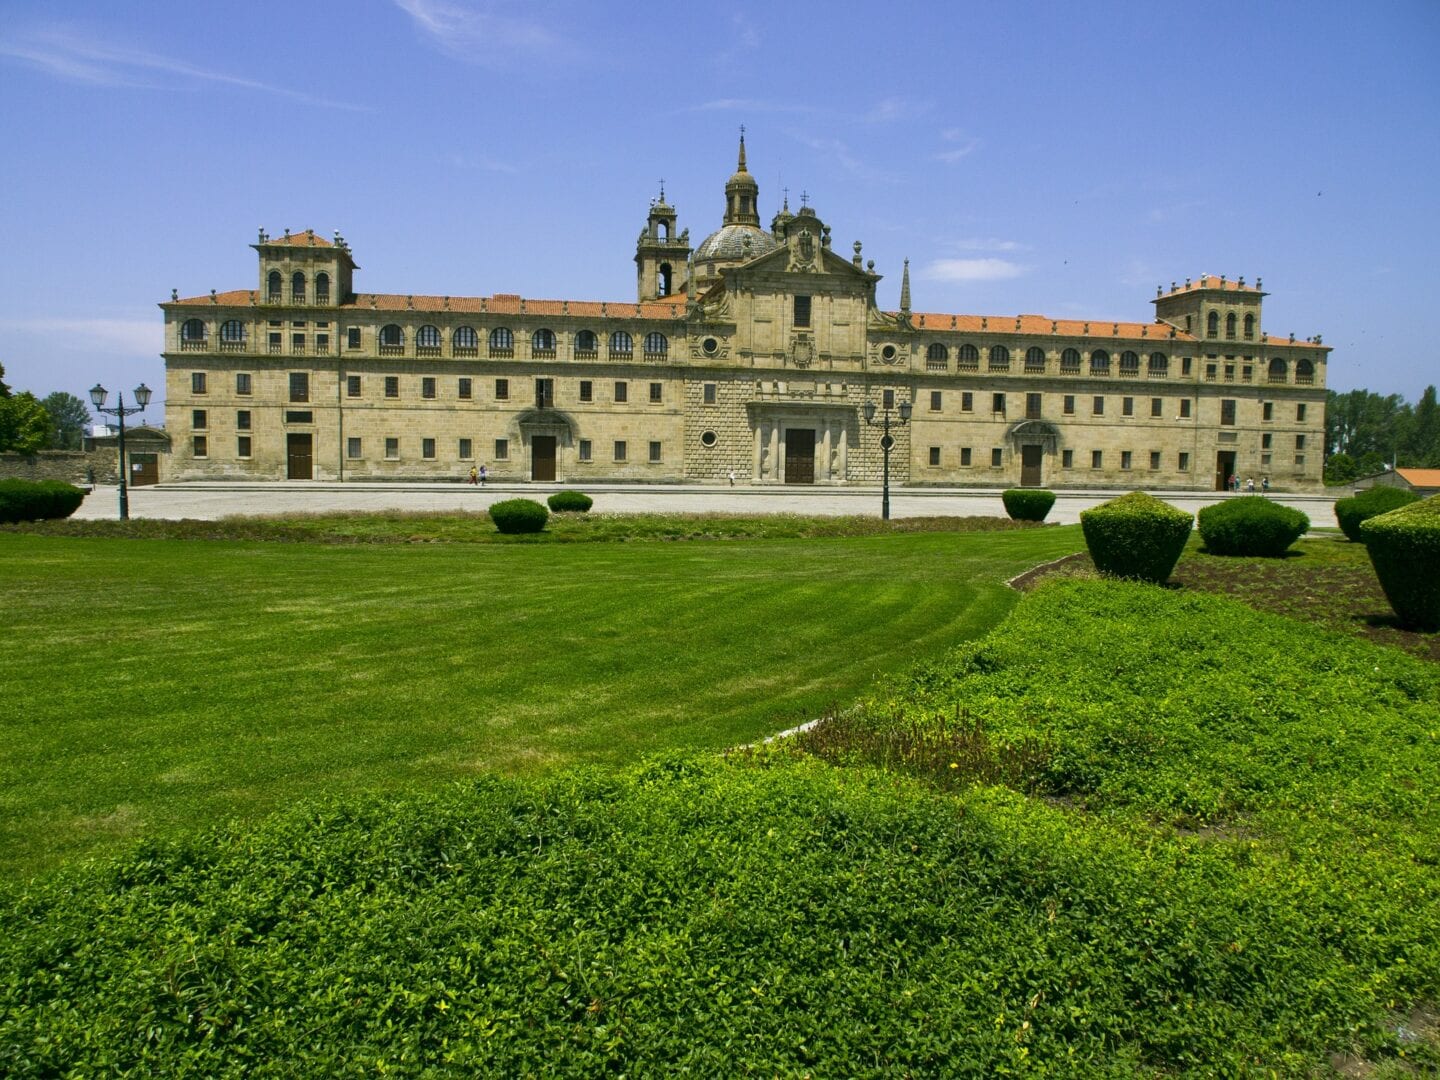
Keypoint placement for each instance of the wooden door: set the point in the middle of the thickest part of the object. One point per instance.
(1224, 469)
(1030, 462)
(799, 455)
(542, 457)
(299, 457)
(144, 469)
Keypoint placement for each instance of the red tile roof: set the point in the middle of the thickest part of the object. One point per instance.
(1210, 281)
(308, 238)
(1036, 325)
(1421, 478)
(670, 307)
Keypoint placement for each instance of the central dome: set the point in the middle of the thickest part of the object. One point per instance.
(735, 242)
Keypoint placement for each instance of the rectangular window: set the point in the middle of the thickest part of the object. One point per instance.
(299, 416)
(200, 446)
(657, 391)
(1069, 404)
(502, 449)
(299, 386)
(297, 343)
(242, 446)
(1300, 413)
(1227, 412)
(1157, 406)
(585, 450)
(352, 337)
(298, 324)
(622, 393)
(1267, 411)
(967, 401)
(352, 447)
(996, 458)
(275, 322)
(1265, 441)
(1125, 459)
(427, 386)
(242, 420)
(1032, 406)
(654, 451)
(1185, 366)
(1067, 459)
(464, 389)
(997, 403)
(198, 419)
(802, 311)
(544, 393)
(1097, 406)
(1154, 459)
(427, 448)
(587, 390)
(965, 456)
(274, 341)
(352, 385)
(197, 382)
(709, 393)
(1299, 460)
(502, 389)
(935, 399)
(1127, 406)
(322, 343)
(1299, 442)
(934, 455)
(1097, 459)
(619, 449)
(242, 383)
(392, 448)
(392, 386)
(466, 450)
(887, 399)
(1185, 408)
(1184, 461)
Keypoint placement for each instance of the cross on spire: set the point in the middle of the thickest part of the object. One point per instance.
(662, 189)
(804, 198)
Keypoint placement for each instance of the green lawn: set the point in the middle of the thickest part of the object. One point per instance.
(152, 686)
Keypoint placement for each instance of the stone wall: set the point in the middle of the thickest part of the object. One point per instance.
(71, 466)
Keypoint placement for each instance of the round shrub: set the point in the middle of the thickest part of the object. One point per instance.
(1136, 536)
(519, 516)
(1404, 547)
(570, 502)
(1372, 502)
(1027, 504)
(1251, 525)
(32, 500)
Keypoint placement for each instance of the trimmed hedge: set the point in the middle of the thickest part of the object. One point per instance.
(519, 516)
(1404, 547)
(570, 502)
(1372, 502)
(1136, 536)
(37, 500)
(1251, 525)
(1027, 504)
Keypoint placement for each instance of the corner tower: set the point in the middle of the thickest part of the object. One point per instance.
(660, 255)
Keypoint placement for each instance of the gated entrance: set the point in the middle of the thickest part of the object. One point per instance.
(1031, 458)
(144, 469)
(542, 457)
(799, 455)
(299, 457)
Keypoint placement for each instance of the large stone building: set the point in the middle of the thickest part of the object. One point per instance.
(753, 352)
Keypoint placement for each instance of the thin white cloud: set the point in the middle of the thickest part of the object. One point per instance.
(481, 34)
(987, 244)
(965, 270)
(750, 105)
(127, 336)
(892, 109)
(81, 57)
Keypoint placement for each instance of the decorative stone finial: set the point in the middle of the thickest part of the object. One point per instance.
(905, 289)
(174, 294)
(741, 166)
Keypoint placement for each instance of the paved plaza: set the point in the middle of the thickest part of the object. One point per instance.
(209, 501)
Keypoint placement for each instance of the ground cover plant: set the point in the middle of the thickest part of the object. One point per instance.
(1404, 546)
(570, 502)
(38, 500)
(519, 516)
(1136, 536)
(225, 679)
(1250, 525)
(1027, 504)
(1371, 502)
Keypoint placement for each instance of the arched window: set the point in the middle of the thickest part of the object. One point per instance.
(1230, 325)
(937, 357)
(297, 287)
(656, 344)
(232, 331)
(1070, 360)
(1212, 324)
(1034, 358)
(1159, 365)
(585, 342)
(968, 357)
(1249, 326)
(192, 331)
(1277, 369)
(620, 344)
(1129, 363)
(1099, 362)
(542, 341)
(663, 281)
(391, 337)
(999, 358)
(273, 286)
(322, 288)
(465, 337)
(1304, 371)
(502, 340)
(428, 337)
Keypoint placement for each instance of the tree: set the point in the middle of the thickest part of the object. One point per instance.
(68, 419)
(4, 390)
(1341, 468)
(1422, 442)
(24, 424)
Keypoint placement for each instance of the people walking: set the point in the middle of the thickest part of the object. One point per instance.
(483, 474)
(474, 475)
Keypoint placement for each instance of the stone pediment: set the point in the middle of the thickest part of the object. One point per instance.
(792, 258)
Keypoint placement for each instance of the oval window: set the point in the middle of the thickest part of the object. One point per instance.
(708, 438)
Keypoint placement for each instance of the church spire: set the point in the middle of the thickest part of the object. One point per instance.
(741, 166)
(905, 290)
(742, 193)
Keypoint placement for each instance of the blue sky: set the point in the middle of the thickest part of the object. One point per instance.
(1060, 159)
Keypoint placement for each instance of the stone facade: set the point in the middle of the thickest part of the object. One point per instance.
(754, 351)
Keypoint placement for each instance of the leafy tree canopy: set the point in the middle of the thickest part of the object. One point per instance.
(69, 417)
(4, 390)
(24, 424)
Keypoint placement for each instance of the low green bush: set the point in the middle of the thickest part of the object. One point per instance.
(1027, 504)
(570, 502)
(37, 500)
(519, 516)
(1404, 547)
(1372, 502)
(1136, 536)
(1251, 525)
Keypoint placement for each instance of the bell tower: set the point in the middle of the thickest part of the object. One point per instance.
(742, 194)
(660, 255)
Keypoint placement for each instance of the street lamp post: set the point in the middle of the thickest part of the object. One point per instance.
(98, 394)
(887, 443)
